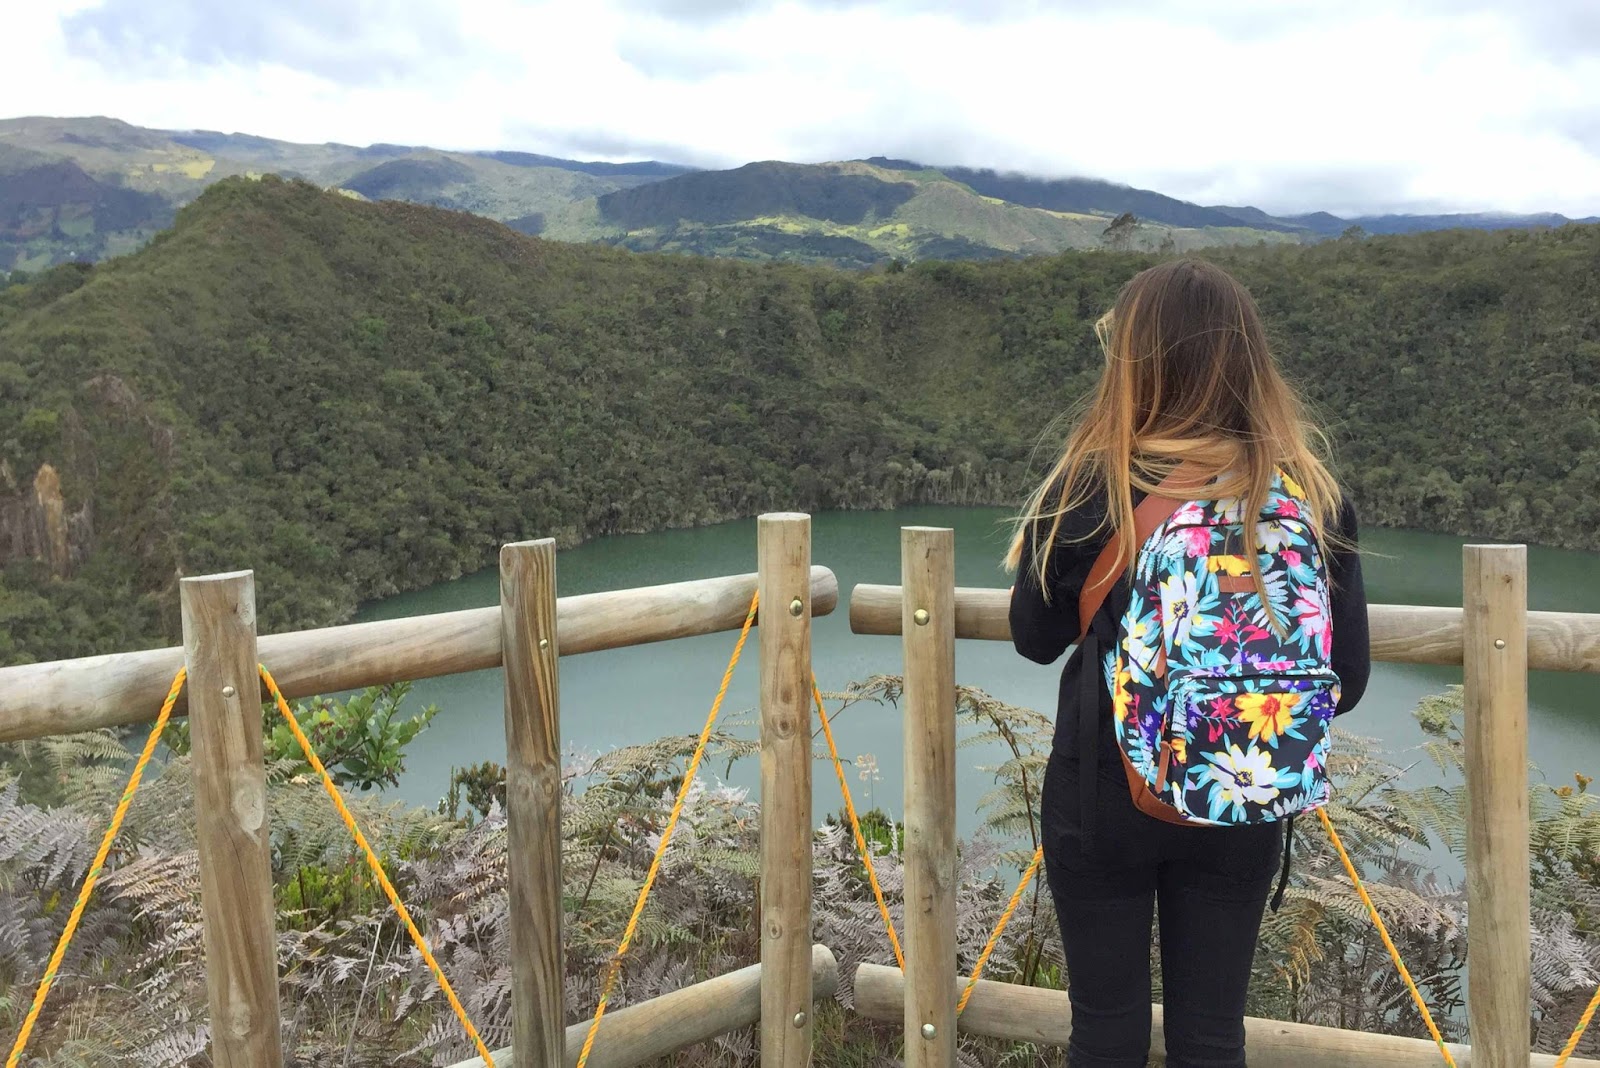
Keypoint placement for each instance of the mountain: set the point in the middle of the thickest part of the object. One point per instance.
(852, 214)
(1092, 196)
(1326, 225)
(1416, 224)
(86, 188)
(1256, 217)
(646, 169)
(355, 398)
(52, 207)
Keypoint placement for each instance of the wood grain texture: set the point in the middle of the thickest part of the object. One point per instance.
(1495, 586)
(784, 557)
(1030, 1014)
(230, 800)
(533, 801)
(1401, 633)
(928, 573)
(642, 1033)
(66, 696)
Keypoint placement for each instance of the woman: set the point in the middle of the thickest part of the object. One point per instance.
(1188, 380)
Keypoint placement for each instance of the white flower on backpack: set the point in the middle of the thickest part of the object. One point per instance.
(1273, 537)
(1141, 645)
(1185, 598)
(1239, 777)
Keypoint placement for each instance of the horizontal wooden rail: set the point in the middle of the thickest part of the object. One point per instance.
(1401, 633)
(639, 1034)
(1031, 1014)
(66, 696)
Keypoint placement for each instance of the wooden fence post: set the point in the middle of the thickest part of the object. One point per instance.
(1495, 599)
(928, 576)
(230, 798)
(533, 802)
(784, 555)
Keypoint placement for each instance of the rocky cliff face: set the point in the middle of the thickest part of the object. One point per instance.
(35, 523)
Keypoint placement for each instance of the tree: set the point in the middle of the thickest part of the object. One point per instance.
(1119, 235)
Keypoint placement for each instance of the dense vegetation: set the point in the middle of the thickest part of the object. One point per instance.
(354, 992)
(756, 190)
(355, 398)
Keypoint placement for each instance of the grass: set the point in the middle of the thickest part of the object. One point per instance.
(79, 226)
(189, 168)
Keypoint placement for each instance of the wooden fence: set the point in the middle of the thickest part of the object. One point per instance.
(527, 633)
(1494, 636)
(532, 629)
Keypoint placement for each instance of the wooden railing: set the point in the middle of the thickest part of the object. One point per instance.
(122, 688)
(1493, 636)
(528, 633)
(532, 628)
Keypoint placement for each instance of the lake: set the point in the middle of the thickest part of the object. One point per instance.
(629, 696)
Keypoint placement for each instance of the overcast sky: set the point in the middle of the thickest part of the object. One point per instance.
(1348, 106)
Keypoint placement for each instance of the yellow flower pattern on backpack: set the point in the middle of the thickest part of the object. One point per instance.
(1268, 714)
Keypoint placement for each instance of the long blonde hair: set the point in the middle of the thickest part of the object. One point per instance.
(1188, 378)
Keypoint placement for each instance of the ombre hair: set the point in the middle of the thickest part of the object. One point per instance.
(1188, 378)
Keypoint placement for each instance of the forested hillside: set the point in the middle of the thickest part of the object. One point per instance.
(356, 398)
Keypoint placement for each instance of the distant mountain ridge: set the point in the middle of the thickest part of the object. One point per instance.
(1102, 197)
(1324, 223)
(858, 213)
(1086, 195)
(89, 188)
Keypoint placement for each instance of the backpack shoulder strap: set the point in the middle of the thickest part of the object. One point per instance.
(1147, 516)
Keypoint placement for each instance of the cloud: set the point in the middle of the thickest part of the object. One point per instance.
(674, 52)
(1562, 28)
(1291, 105)
(347, 41)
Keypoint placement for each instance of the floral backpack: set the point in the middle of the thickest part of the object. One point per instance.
(1221, 710)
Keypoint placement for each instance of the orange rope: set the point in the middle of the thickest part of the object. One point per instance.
(1383, 932)
(375, 864)
(666, 836)
(1005, 918)
(94, 870)
(1577, 1032)
(855, 827)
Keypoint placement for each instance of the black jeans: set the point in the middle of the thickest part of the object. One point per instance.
(1212, 885)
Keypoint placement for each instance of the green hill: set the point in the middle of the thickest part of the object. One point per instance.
(85, 189)
(356, 398)
(52, 209)
(854, 214)
(1092, 196)
(127, 181)
(88, 188)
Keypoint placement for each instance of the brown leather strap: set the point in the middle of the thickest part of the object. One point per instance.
(1147, 516)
